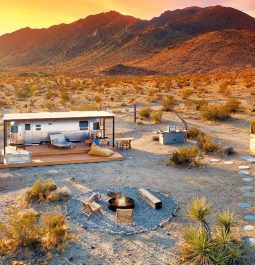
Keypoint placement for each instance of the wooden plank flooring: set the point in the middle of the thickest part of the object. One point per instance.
(65, 160)
(45, 150)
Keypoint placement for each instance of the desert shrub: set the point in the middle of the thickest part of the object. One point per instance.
(186, 156)
(186, 93)
(155, 138)
(3, 103)
(97, 98)
(20, 230)
(156, 116)
(201, 246)
(40, 190)
(59, 195)
(55, 230)
(24, 92)
(232, 105)
(25, 228)
(207, 145)
(215, 113)
(196, 104)
(65, 96)
(145, 112)
(194, 133)
(46, 191)
(204, 142)
(86, 107)
(168, 103)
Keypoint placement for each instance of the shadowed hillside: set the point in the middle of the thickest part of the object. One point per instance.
(179, 40)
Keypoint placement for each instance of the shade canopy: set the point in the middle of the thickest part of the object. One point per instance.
(57, 115)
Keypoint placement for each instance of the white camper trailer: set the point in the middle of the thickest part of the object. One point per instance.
(36, 128)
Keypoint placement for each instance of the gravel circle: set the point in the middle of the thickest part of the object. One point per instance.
(145, 217)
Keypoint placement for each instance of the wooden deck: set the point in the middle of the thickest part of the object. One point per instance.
(45, 150)
(65, 160)
(44, 155)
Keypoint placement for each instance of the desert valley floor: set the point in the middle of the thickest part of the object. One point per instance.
(144, 166)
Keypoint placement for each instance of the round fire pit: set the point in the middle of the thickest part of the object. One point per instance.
(121, 203)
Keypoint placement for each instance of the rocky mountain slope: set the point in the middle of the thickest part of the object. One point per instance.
(188, 40)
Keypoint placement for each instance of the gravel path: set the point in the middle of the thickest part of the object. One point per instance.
(145, 217)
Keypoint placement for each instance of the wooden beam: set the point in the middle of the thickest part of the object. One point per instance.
(113, 132)
(5, 136)
(103, 127)
(152, 200)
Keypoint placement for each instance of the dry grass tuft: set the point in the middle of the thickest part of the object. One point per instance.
(168, 103)
(186, 156)
(46, 191)
(26, 229)
(145, 112)
(215, 112)
(156, 116)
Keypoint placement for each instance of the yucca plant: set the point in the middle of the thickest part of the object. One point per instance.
(198, 249)
(225, 242)
(199, 210)
(227, 219)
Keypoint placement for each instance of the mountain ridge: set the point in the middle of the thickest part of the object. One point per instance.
(101, 41)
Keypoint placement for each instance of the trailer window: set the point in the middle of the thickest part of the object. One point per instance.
(27, 127)
(96, 126)
(14, 128)
(38, 127)
(84, 125)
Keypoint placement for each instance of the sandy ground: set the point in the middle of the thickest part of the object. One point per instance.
(144, 166)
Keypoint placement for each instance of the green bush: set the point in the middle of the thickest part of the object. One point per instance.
(201, 246)
(168, 103)
(215, 113)
(186, 156)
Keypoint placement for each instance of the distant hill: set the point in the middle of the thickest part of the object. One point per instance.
(183, 40)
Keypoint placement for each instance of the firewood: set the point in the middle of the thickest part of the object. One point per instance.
(152, 200)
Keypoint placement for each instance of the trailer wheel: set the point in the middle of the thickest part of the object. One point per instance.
(44, 142)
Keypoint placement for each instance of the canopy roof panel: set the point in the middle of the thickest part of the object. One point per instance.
(57, 115)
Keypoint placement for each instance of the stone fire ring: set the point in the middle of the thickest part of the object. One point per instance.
(145, 217)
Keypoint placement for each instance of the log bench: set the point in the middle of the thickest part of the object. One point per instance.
(152, 200)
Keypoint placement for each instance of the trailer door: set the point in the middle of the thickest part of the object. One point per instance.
(28, 134)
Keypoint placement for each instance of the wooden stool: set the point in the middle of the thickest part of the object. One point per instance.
(125, 215)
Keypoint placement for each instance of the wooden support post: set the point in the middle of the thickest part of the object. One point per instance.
(5, 137)
(134, 113)
(113, 132)
(104, 128)
(152, 200)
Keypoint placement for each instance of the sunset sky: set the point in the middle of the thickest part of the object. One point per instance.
(16, 14)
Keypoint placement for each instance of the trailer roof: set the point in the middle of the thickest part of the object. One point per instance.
(56, 115)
